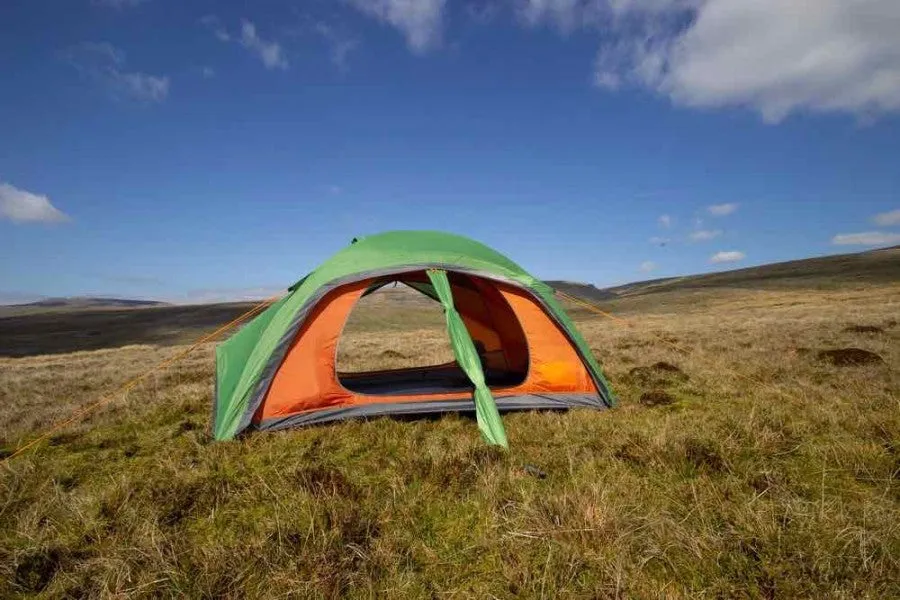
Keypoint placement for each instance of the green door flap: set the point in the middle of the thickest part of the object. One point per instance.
(486, 412)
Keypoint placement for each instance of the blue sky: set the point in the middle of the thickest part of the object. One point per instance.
(204, 150)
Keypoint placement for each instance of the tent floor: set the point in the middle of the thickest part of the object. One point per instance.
(439, 379)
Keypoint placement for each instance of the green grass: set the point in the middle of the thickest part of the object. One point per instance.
(731, 489)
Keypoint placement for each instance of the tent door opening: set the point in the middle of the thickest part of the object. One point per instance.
(406, 308)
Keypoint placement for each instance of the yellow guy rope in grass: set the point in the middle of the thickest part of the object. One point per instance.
(129, 385)
(597, 310)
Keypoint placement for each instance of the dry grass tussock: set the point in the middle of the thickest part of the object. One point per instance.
(711, 486)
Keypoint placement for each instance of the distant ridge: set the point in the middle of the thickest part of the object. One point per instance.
(80, 302)
(54, 325)
(581, 290)
(880, 265)
(871, 266)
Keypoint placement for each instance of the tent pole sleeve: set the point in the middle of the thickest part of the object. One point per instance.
(486, 412)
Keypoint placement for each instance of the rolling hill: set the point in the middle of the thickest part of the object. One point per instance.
(872, 266)
(91, 302)
(66, 325)
(75, 303)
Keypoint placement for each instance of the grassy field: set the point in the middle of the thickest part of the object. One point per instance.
(742, 462)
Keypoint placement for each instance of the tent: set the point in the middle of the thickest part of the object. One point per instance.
(515, 347)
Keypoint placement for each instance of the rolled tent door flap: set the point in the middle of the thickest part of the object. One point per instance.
(486, 413)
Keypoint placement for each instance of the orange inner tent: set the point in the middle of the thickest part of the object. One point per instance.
(523, 352)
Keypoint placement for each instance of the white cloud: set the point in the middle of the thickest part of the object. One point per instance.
(334, 190)
(659, 241)
(606, 79)
(726, 257)
(721, 210)
(774, 56)
(213, 23)
(648, 266)
(704, 235)
(105, 64)
(141, 86)
(97, 52)
(340, 44)
(420, 21)
(868, 238)
(887, 219)
(565, 15)
(664, 221)
(20, 206)
(207, 72)
(270, 53)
